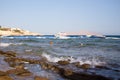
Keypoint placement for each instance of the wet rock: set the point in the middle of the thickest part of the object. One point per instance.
(40, 78)
(63, 62)
(23, 72)
(85, 66)
(77, 64)
(1, 52)
(14, 62)
(3, 73)
(11, 71)
(44, 65)
(31, 61)
(68, 72)
(11, 64)
(10, 54)
(102, 67)
(9, 59)
(49, 66)
(20, 66)
(19, 72)
(55, 68)
(5, 78)
(84, 76)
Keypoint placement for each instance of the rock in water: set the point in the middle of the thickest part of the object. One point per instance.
(5, 78)
(3, 73)
(19, 72)
(77, 64)
(8, 53)
(68, 72)
(11, 54)
(63, 62)
(85, 66)
(40, 78)
(83, 76)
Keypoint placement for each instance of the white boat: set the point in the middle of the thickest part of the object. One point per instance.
(61, 35)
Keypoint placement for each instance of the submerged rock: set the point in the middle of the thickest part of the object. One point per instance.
(40, 78)
(102, 67)
(63, 62)
(64, 71)
(3, 73)
(68, 72)
(20, 66)
(85, 66)
(1, 52)
(5, 78)
(8, 53)
(84, 76)
(77, 64)
(19, 72)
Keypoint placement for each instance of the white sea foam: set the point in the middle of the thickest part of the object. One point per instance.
(112, 38)
(17, 44)
(5, 44)
(92, 62)
(8, 44)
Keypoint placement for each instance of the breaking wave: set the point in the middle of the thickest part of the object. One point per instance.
(83, 60)
(9, 44)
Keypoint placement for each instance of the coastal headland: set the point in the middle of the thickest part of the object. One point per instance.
(6, 31)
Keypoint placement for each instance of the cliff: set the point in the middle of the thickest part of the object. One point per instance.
(5, 31)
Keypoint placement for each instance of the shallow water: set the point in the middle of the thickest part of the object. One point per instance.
(94, 51)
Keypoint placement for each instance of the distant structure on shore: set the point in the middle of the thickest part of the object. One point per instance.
(61, 35)
(6, 31)
(84, 34)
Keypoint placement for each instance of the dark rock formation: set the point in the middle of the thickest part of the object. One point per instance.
(8, 53)
(4, 76)
(19, 72)
(40, 78)
(85, 66)
(60, 68)
(3, 73)
(77, 64)
(63, 62)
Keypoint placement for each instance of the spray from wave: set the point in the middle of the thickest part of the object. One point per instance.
(83, 60)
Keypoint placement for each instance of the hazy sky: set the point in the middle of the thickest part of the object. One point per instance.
(51, 16)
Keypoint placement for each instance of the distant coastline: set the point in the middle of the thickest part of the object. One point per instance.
(6, 31)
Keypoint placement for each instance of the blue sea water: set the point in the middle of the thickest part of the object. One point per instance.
(94, 51)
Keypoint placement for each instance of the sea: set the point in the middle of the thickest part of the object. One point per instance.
(91, 50)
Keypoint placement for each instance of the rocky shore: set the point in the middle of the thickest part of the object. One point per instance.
(14, 68)
(5, 31)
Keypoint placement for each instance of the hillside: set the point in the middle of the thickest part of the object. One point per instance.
(88, 33)
(5, 31)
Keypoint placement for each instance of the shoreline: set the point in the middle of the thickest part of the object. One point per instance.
(17, 63)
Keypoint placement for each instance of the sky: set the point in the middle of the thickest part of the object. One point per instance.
(52, 16)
